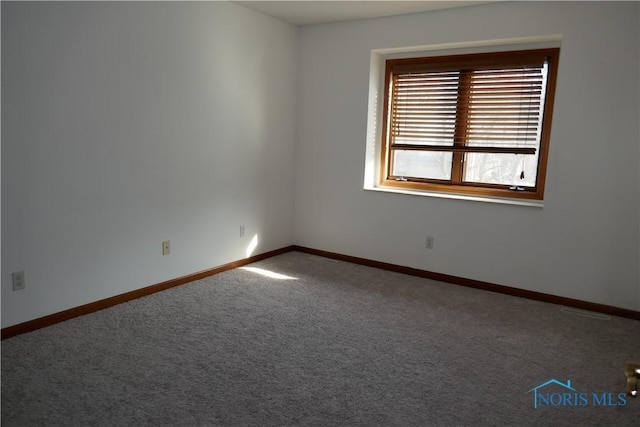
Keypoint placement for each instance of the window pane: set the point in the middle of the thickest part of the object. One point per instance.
(505, 169)
(424, 108)
(422, 164)
(505, 107)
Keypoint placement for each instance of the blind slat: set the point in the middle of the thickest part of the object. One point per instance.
(454, 149)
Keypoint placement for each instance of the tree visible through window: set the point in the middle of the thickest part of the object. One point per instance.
(476, 124)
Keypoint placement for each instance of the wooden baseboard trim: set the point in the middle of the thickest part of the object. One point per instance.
(522, 293)
(52, 319)
(41, 322)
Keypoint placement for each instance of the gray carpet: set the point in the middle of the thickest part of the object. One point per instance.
(340, 344)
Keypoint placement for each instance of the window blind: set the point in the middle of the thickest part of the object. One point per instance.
(468, 108)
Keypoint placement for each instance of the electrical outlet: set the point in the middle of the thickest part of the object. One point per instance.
(242, 231)
(166, 247)
(18, 280)
(429, 242)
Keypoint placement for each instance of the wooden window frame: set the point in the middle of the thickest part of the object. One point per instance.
(459, 149)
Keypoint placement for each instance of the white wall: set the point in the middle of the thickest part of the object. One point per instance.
(583, 244)
(126, 124)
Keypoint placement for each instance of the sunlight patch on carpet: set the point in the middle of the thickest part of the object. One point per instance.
(268, 273)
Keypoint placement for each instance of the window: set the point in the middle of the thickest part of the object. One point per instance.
(475, 124)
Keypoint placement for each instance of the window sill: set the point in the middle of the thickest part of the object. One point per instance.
(456, 196)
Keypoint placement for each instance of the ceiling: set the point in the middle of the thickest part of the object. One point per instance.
(321, 12)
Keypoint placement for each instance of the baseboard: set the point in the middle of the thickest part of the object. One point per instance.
(52, 319)
(532, 295)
